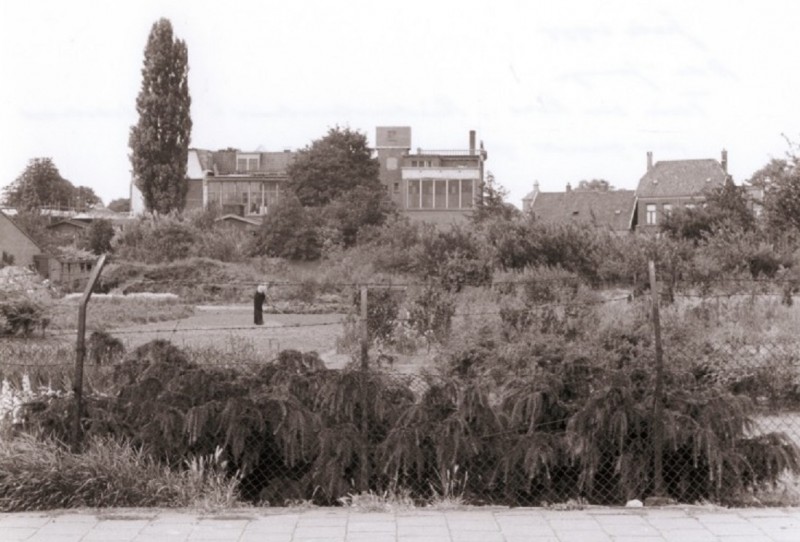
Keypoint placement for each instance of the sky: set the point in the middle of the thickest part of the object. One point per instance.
(557, 91)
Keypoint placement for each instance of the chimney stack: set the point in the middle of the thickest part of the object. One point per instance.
(649, 160)
(472, 141)
(536, 187)
(724, 162)
(569, 187)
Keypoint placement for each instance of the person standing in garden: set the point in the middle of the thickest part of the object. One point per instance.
(258, 304)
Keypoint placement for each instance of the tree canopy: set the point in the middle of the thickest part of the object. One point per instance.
(159, 142)
(120, 205)
(780, 180)
(492, 202)
(598, 185)
(331, 166)
(726, 205)
(41, 185)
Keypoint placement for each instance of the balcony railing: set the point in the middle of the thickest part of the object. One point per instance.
(449, 152)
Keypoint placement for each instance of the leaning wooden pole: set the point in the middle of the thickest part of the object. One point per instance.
(80, 352)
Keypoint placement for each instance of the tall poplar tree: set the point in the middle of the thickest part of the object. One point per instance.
(159, 142)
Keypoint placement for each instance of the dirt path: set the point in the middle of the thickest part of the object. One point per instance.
(229, 326)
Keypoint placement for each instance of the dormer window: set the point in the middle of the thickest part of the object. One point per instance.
(247, 162)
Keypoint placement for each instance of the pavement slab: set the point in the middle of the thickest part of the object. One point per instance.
(593, 524)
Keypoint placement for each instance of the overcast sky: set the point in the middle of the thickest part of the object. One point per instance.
(559, 91)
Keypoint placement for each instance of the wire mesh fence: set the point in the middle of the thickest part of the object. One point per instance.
(571, 418)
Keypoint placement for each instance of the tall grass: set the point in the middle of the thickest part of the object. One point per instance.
(44, 475)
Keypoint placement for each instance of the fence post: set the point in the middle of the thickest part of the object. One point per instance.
(365, 456)
(364, 330)
(80, 352)
(658, 400)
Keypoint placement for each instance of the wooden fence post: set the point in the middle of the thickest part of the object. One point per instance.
(658, 399)
(80, 352)
(364, 330)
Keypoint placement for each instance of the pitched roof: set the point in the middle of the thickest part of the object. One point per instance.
(681, 178)
(69, 222)
(22, 231)
(612, 209)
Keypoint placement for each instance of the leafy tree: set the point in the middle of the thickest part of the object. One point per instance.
(729, 202)
(774, 169)
(688, 223)
(120, 205)
(597, 185)
(361, 207)
(331, 166)
(84, 197)
(290, 232)
(159, 142)
(725, 205)
(492, 203)
(40, 185)
(780, 180)
(99, 236)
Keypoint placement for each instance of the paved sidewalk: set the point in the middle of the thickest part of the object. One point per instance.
(594, 524)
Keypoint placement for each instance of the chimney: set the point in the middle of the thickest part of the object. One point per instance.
(472, 141)
(569, 187)
(724, 161)
(535, 187)
(649, 160)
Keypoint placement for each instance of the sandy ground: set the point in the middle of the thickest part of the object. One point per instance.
(229, 326)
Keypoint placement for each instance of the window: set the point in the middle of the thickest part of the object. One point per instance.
(391, 163)
(247, 163)
(466, 194)
(413, 194)
(453, 190)
(427, 194)
(440, 195)
(690, 205)
(396, 188)
(650, 217)
(667, 209)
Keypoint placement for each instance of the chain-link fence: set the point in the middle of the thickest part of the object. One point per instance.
(292, 430)
(539, 409)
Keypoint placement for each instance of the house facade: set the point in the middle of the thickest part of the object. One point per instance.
(16, 246)
(612, 210)
(242, 183)
(673, 184)
(438, 186)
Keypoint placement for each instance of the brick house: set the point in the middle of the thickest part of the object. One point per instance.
(438, 186)
(672, 184)
(16, 246)
(246, 184)
(612, 210)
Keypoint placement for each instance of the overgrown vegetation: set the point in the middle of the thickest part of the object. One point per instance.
(551, 400)
(536, 383)
(40, 474)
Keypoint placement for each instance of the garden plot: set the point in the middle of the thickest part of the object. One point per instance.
(230, 327)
